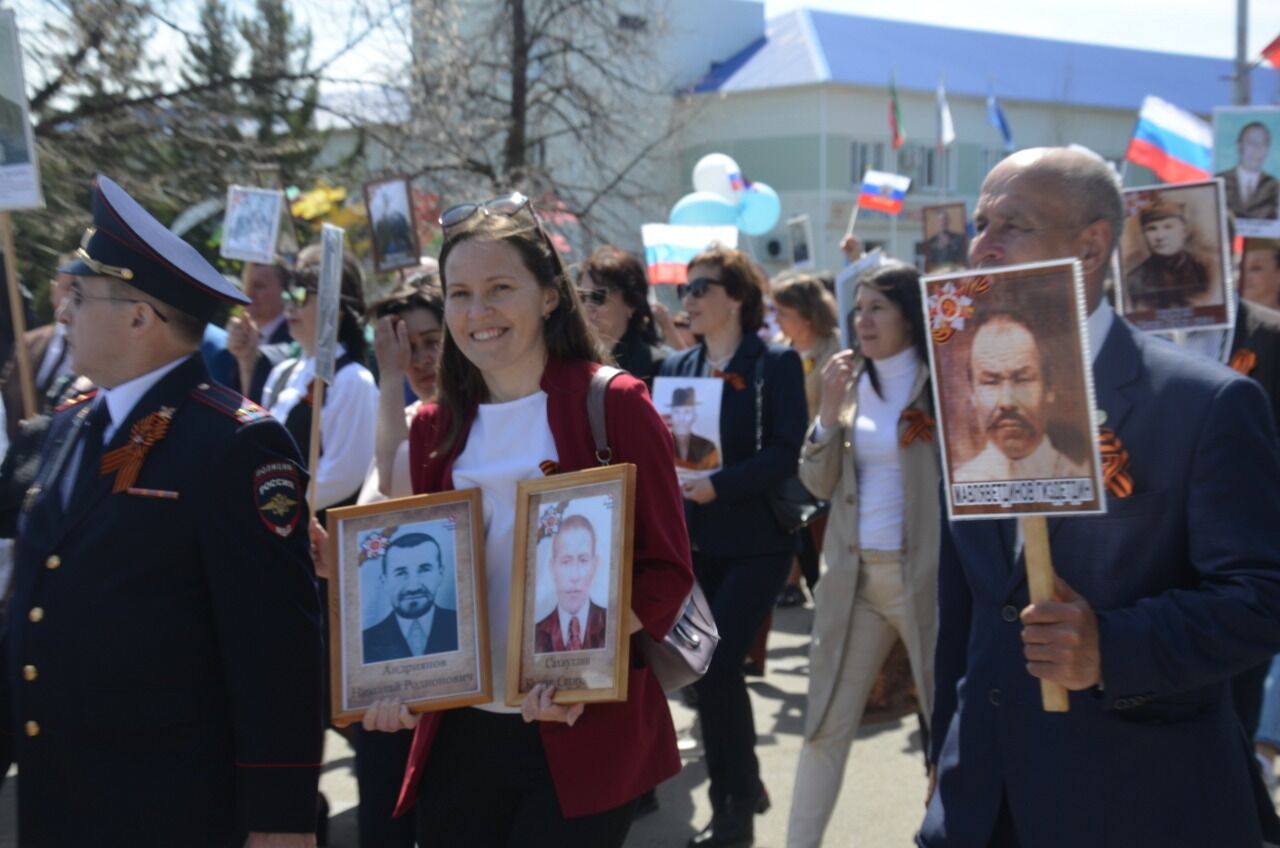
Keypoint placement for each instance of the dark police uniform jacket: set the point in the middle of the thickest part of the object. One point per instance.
(163, 649)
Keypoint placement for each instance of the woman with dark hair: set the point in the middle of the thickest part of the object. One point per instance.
(741, 556)
(806, 314)
(517, 360)
(350, 404)
(613, 286)
(871, 453)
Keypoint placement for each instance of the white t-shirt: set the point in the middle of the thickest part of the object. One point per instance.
(508, 442)
(875, 450)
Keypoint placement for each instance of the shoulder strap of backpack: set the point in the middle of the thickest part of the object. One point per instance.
(600, 381)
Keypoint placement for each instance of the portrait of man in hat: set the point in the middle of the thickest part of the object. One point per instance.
(1171, 276)
(692, 451)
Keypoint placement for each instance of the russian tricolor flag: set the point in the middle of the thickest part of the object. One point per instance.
(669, 247)
(883, 192)
(1174, 143)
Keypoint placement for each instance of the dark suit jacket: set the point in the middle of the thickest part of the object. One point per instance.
(1262, 204)
(385, 641)
(548, 639)
(1258, 331)
(739, 522)
(171, 615)
(1184, 575)
(226, 370)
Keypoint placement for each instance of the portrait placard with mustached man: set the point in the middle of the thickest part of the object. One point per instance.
(413, 572)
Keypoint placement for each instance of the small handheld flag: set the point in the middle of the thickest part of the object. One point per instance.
(883, 192)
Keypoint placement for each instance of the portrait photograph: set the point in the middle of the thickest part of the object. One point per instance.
(690, 406)
(407, 604)
(1013, 391)
(946, 239)
(19, 175)
(800, 236)
(395, 239)
(1260, 272)
(1246, 156)
(1174, 258)
(251, 225)
(571, 585)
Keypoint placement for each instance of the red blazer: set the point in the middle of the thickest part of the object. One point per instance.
(614, 752)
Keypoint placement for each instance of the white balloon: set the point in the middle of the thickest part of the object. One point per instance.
(719, 174)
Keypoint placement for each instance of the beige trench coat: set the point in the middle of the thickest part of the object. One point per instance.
(826, 468)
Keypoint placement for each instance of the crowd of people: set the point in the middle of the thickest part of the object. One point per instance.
(165, 622)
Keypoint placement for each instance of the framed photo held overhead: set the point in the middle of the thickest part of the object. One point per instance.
(19, 171)
(1013, 391)
(571, 585)
(391, 223)
(800, 237)
(407, 614)
(946, 240)
(1174, 263)
(251, 225)
(1246, 156)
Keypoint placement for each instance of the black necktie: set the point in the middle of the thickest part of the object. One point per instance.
(91, 432)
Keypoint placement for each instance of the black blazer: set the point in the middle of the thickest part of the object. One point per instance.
(277, 349)
(384, 640)
(1258, 330)
(739, 521)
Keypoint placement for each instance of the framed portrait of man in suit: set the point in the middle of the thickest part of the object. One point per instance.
(946, 237)
(571, 585)
(19, 171)
(1013, 391)
(800, 237)
(251, 224)
(1246, 156)
(1173, 268)
(407, 614)
(391, 223)
(690, 406)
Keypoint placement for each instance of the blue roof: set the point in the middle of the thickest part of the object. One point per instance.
(808, 46)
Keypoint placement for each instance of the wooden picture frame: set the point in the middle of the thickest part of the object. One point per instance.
(585, 521)
(393, 228)
(383, 565)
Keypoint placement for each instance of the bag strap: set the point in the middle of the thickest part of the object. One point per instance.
(600, 381)
(759, 383)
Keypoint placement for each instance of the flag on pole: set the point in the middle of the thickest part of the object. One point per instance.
(897, 132)
(883, 192)
(669, 247)
(1271, 53)
(1172, 142)
(995, 117)
(946, 127)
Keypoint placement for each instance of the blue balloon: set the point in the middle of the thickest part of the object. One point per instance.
(758, 210)
(702, 208)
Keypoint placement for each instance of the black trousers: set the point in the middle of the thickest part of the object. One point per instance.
(487, 783)
(380, 762)
(741, 592)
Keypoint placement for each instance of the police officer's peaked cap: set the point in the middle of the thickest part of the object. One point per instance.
(127, 244)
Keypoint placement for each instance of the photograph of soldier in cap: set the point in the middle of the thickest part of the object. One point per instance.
(1174, 258)
(395, 239)
(691, 408)
(410, 572)
(1012, 390)
(945, 241)
(1247, 159)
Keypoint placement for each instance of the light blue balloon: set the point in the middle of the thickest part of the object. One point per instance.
(758, 210)
(702, 208)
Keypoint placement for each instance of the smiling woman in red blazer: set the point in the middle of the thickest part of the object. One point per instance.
(516, 364)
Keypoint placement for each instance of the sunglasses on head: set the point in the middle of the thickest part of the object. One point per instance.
(697, 288)
(596, 297)
(297, 296)
(508, 206)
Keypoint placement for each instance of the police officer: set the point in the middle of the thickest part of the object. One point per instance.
(163, 649)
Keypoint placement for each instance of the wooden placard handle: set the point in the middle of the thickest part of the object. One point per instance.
(313, 460)
(1035, 540)
(22, 356)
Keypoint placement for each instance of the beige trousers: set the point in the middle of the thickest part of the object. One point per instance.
(878, 618)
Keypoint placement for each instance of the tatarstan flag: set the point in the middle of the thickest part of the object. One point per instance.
(896, 130)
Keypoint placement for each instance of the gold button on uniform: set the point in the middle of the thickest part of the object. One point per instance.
(53, 562)
(35, 615)
(33, 729)
(29, 673)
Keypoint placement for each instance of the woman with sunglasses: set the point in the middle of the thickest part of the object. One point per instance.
(615, 290)
(515, 367)
(740, 554)
(871, 453)
(350, 404)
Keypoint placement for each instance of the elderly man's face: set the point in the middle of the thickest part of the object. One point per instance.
(1165, 236)
(1253, 147)
(412, 579)
(1261, 277)
(573, 563)
(1008, 387)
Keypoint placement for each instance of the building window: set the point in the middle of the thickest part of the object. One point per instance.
(920, 163)
(991, 156)
(867, 156)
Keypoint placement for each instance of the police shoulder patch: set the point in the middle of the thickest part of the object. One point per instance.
(277, 494)
(76, 400)
(228, 402)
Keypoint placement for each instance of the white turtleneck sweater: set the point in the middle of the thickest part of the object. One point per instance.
(875, 450)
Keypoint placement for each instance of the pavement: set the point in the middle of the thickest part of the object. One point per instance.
(881, 803)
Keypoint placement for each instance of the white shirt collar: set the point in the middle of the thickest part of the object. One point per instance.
(1099, 324)
(266, 330)
(123, 398)
(428, 618)
(565, 618)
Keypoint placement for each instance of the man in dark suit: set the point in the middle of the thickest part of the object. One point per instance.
(576, 624)
(1251, 191)
(260, 339)
(1159, 602)
(412, 572)
(692, 451)
(163, 645)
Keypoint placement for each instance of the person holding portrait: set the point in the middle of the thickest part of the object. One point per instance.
(741, 555)
(517, 361)
(258, 339)
(577, 623)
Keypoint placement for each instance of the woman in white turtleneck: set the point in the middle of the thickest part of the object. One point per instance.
(871, 452)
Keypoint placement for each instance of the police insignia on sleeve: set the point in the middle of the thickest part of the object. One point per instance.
(277, 492)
